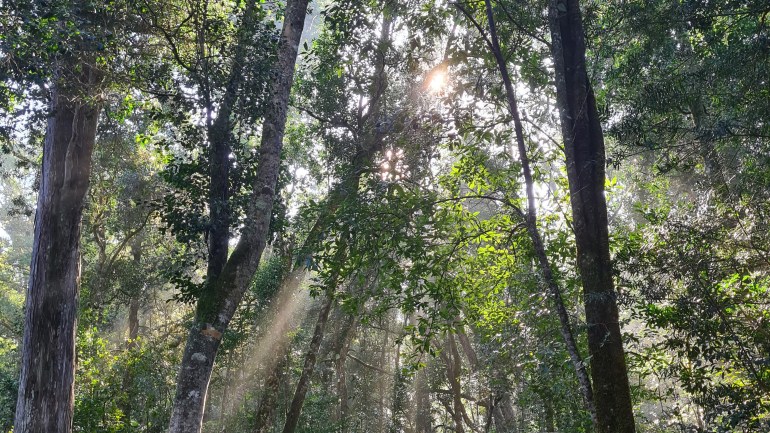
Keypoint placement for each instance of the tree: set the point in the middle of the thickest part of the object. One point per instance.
(47, 369)
(223, 292)
(585, 159)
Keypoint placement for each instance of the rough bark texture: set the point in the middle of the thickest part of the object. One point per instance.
(584, 151)
(531, 222)
(46, 392)
(222, 294)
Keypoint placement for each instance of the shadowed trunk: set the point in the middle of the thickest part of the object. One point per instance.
(453, 366)
(220, 136)
(46, 392)
(504, 416)
(222, 295)
(550, 424)
(268, 403)
(585, 158)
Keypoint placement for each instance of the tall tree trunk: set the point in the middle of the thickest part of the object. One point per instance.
(303, 384)
(133, 322)
(223, 294)
(220, 136)
(46, 391)
(381, 381)
(530, 218)
(399, 399)
(584, 151)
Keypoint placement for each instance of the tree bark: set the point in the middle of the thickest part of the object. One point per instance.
(269, 400)
(220, 136)
(46, 388)
(223, 294)
(504, 416)
(133, 333)
(585, 158)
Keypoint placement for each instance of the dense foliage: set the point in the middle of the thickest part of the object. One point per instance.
(401, 282)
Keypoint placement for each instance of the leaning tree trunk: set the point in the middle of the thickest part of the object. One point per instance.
(303, 384)
(277, 361)
(223, 294)
(46, 384)
(584, 151)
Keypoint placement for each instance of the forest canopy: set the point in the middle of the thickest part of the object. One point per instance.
(386, 216)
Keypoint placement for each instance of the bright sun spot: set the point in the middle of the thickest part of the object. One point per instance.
(437, 81)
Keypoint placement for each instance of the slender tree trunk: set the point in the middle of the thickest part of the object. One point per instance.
(397, 399)
(341, 353)
(303, 384)
(423, 421)
(381, 385)
(550, 425)
(371, 142)
(46, 391)
(584, 151)
(276, 364)
(268, 403)
(531, 221)
(223, 294)
(453, 365)
(133, 334)
(133, 322)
